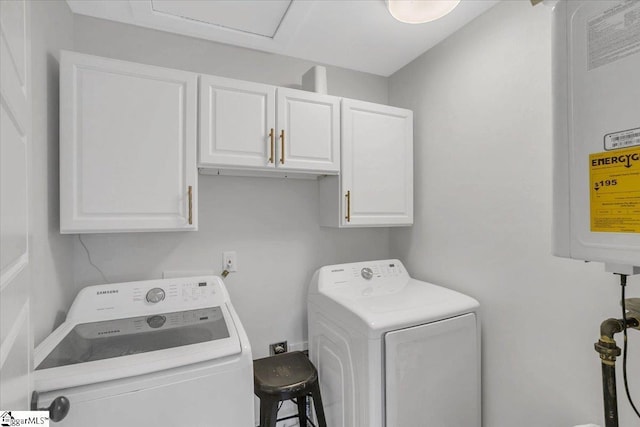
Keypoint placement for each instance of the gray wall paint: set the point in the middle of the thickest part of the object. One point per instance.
(52, 253)
(131, 43)
(482, 104)
(271, 223)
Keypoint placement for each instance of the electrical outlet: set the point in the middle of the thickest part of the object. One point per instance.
(278, 348)
(230, 261)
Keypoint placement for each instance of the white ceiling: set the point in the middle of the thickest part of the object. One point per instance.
(356, 34)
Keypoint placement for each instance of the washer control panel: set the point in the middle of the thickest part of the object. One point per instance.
(182, 291)
(149, 296)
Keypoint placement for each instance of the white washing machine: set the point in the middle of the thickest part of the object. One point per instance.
(393, 351)
(164, 352)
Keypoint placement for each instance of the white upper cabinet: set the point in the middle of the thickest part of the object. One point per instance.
(248, 127)
(127, 146)
(375, 187)
(237, 123)
(308, 131)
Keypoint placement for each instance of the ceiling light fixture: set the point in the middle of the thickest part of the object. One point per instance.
(420, 11)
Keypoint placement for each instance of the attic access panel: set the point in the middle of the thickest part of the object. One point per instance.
(268, 25)
(261, 18)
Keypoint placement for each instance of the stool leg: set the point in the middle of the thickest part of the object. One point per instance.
(268, 412)
(302, 410)
(263, 412)
(317, 405)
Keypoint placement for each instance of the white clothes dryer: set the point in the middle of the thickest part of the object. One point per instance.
(392, 351)
(164, 352)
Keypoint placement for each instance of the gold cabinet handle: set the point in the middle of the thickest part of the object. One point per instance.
(271, 137)
(348, 197)
(282, 146)
(190, 191)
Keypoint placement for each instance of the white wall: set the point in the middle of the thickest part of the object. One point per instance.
(482, 103)
(52, 253)
(131, 43)
(271, 223)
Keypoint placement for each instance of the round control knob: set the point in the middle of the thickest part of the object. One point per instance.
(366, 273)
(155, 295)
(156, 321)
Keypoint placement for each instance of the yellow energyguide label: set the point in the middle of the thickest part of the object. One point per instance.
(615, 191)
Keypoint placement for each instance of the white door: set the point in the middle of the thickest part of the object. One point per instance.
(377, 165)
(15, 132)
(237, 123)
(128, 140)
(308, 131)
(432, 374)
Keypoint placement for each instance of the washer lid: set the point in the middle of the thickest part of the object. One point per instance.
(85, 353)
(399, 302)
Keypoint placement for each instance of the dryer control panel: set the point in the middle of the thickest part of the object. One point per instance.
(378, 270)
(359, 273)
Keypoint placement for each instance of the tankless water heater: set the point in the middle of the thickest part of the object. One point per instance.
(596, 89)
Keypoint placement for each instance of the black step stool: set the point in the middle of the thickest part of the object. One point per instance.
(283, 377)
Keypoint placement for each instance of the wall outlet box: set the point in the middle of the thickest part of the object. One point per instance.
(230, 261)
(278, 348)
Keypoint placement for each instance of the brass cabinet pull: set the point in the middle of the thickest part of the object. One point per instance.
(348, 216)
(271, 137)
(282, 146)
(190, 191)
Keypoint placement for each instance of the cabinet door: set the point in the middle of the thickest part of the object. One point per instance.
(308, 131)
(127, 146)
(237, 123)
(377, 165)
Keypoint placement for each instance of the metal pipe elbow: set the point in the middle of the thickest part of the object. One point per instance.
(610, 327)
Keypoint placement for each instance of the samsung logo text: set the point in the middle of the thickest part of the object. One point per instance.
(110, 291)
